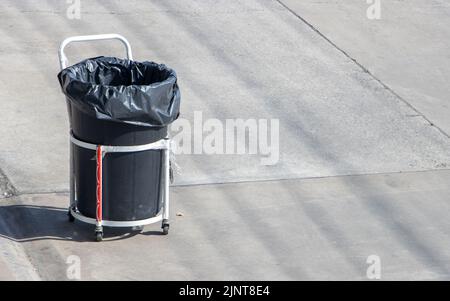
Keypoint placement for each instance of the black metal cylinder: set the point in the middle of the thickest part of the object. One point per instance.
(131, 181)
(120, 102)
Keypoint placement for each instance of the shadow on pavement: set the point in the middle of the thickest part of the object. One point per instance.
(24, 223)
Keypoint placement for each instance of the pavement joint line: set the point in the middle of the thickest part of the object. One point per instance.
(315, 178)
(385, 86)
(28, 192)
(25, 193)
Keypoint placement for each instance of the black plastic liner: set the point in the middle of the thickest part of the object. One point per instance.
(139, 93)
(120, 102)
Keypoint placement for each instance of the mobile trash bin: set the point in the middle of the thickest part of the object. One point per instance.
(119, 112)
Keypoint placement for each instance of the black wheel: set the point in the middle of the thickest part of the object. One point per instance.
(98, 236)
(71, 218)
(165, 229)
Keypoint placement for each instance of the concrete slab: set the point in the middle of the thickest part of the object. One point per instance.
(406, 48)
(283, 230)
(335, 119)
(14, 262)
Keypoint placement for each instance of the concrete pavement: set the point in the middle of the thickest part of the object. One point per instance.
(335, 119)
(364, 147)
(316, 229)
(406, 48)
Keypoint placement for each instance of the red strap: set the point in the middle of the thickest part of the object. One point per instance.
(99, 183)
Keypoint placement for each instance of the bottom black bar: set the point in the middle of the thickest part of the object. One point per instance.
(221, 290)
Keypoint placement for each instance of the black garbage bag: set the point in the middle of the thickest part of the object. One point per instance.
(138, 93)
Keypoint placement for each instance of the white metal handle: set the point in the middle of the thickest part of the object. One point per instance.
(63, 59)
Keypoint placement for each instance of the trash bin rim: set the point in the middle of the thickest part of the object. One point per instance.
(86, 86)
(171, 78)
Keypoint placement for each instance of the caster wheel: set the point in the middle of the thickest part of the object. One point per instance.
(71, 218)
(165, 229)
(138, 228)
(98, 236)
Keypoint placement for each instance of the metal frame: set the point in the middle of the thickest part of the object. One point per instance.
(102, 150)
(76, 214)
(63, 61)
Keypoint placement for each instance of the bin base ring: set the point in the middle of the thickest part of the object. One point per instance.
(78, 216)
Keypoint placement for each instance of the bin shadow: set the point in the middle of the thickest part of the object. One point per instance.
(25, 223)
